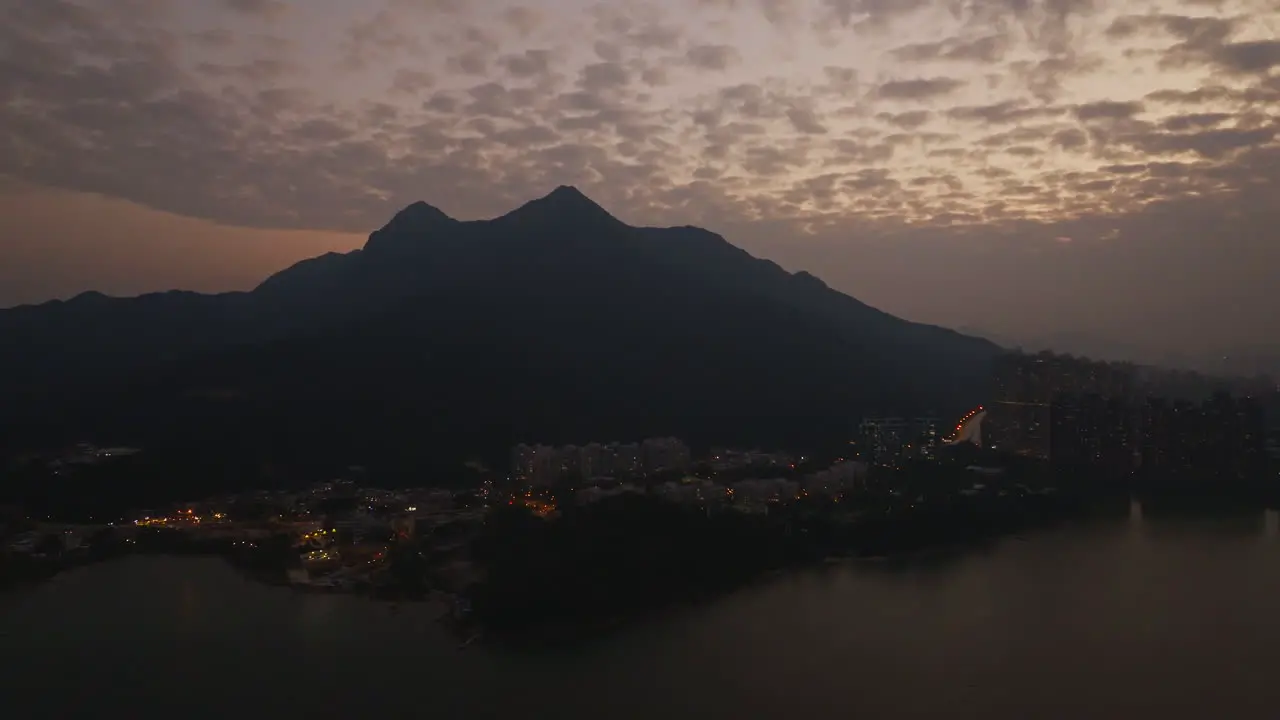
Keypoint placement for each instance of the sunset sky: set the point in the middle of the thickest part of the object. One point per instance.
(1041, 169)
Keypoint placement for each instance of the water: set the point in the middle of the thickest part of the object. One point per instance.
(1114, 618)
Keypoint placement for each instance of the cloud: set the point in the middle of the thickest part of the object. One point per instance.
(607, 51)
(780, 12)
(530, 63)
(907, 120)
(848, 151)
(1017, 136)
(712, 57)
(1004, 112)
(1023, 151)
(603, 76)
(804, 120)
(377, 40)
(654, 76)
(472, 61)
(214, 37)
(259, 8)
(867, 12)
(408, 81)
(918, 89)
(1255, 56)
(987, 49)
(1070, 139)
(840, 80)
(1108, 110)
(1203, 40)
(1211, 144)
(1194, 121)
(1195, 32)
(524, 19)
(1044, 78)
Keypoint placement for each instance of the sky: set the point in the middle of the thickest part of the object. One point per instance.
(1089, 172)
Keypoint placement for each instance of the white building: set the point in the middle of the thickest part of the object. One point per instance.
(664, 454)
(839, 478)
(692, 491)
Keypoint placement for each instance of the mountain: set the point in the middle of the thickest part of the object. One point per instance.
(442, 338)
(1247, 361)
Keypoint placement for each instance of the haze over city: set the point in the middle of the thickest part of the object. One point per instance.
(1102, 171)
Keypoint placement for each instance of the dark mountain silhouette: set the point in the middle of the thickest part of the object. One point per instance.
(443, 338)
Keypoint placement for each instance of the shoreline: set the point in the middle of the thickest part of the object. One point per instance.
(894, 543)
(470, 628)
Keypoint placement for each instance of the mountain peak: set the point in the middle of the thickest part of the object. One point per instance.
(89, 296)
(565, 204)
(568, 194)
(569, 199)
(417, 216)
(408, 226)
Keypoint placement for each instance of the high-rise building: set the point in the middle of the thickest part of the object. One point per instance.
(1080, 401)
(522, 462)
(884, 441)
(548, 466)
(1223, 438)
(627, 460)
(1021, 428)
(668, 453)
(594, 461)
(1041, 378)
(536, 465)
(925, 435)
(544, 465)
(570, 457)
(881, 439)
(1090, 429)
(1235, 429)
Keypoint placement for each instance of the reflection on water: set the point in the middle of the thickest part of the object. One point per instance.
(1153, 615)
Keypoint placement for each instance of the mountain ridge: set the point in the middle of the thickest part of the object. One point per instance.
(543, 323)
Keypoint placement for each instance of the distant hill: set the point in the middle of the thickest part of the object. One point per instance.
(442, 338)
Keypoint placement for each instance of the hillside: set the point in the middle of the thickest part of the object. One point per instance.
(555, 322)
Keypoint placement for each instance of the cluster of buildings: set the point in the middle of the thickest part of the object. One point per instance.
(1225, 436)
(729, 479)
(344, 533)
(545, 465)
(1026, 388)
(888, 441)
(748, 494)
(1040, 377)
(729, 460)
(341, 534)
(1076, 411)
(340, 531)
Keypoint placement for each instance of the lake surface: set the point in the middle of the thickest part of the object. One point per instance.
(1119, 617)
